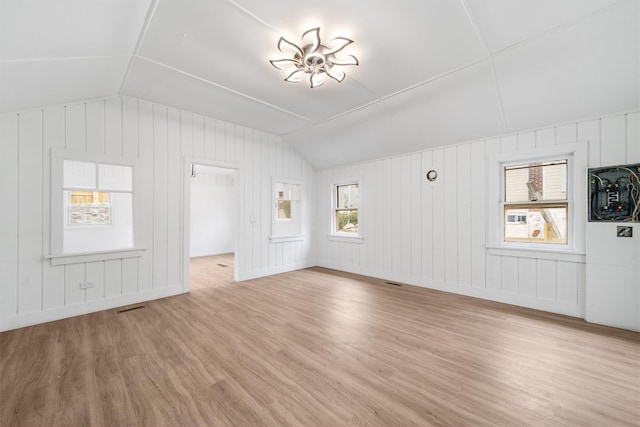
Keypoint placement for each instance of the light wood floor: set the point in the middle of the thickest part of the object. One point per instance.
(318, 348)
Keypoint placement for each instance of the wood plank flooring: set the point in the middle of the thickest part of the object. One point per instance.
(318, 348)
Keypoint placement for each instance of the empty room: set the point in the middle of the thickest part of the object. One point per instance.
(362, 213)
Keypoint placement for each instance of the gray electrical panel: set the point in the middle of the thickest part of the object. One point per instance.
(614, 193)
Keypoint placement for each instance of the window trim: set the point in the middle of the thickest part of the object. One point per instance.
(576, 154)
(278, 231)
(341, 235)
(56, 254)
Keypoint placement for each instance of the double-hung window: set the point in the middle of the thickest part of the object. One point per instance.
(536, 202)
(346, 201)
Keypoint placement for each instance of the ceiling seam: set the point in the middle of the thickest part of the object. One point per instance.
(559, 28)
(492, 67)
(235, 92)
(391, 95)
(252, 15)
(143, 35)
(67, 58)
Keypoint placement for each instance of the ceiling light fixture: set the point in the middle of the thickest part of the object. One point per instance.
(314, 58)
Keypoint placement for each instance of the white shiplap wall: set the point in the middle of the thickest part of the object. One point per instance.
(158, 138)
(435, 235)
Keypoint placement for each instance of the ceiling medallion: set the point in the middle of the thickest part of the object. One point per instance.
(314, 59)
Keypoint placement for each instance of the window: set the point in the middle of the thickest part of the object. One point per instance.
(536, 206)
(97, 206)
(346, 209)
(286, 221)
(89, 208)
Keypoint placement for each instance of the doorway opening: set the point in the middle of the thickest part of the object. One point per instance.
(212, 225)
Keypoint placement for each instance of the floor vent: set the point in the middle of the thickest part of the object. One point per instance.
(130, 309)
(222, 265)
(394, 284)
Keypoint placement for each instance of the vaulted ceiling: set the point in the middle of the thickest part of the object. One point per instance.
(431, 73)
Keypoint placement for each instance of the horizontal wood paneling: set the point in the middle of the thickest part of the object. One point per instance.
(450, 217)
(157, 138)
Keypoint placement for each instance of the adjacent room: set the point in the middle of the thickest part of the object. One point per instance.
(233, 212)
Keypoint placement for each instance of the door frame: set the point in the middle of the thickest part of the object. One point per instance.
(186, 213)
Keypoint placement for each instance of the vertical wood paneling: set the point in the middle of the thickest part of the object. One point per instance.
(464, 214)
(377, 208)
(229, 138)
(450, 201)
(113, 126)
(509, 275)
(174, 199)
(129, 276)
(478, 214)
(94, 274)
(198, 137)
(210, 139)
(633, 138)
(95, 126)
(546, 276)
(567, 133)
(590, 131)
(567, 282)
(438, 217)
(52, 276)
(30, 211)
(393, 188)
(405, 216)
(526, 141)
(112, 278)
(144, 235)
(73, 276)
(415, 201)
(160, 199)
(509, 143)
(545, 137)
(494, 272)
(527, 281)
(387, 222)
(130, 149)
(613, 133)
(9, 215)
(75, 133)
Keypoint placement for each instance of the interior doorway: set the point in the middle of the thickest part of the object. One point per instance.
(212, 225)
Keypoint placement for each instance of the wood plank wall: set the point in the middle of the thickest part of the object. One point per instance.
(436, 235)
(31, 290)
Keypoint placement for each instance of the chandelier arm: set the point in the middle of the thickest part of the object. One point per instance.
(315, 39)
(284, 44)
(342, 42)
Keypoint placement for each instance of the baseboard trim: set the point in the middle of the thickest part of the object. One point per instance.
(30, 319)
(256, 274)
(558, 307)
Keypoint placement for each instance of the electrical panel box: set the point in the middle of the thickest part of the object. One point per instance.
(614, 193)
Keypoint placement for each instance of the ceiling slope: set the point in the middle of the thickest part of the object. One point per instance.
(431, 73)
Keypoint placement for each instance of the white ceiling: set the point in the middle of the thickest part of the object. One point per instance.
(431, 73)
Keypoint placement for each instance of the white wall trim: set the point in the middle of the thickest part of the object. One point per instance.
(256, 274)
(29, 319)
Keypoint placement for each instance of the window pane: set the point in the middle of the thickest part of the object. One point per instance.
(347, 196)
(79, 174)
(284, 209)
(347, 221)
(536, 182)
(536, 223)
(89, 208)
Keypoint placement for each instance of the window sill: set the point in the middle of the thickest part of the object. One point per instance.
(345, 239)
(78, 258)
(282, 239)
(537, 253)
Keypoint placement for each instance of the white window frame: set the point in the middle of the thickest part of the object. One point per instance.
(287, 230)
(56, 254)
(344, 236)
(576, 155)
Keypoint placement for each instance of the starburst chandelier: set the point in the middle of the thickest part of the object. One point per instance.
(314, 59)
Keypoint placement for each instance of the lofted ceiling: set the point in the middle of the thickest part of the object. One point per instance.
(431, 73)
